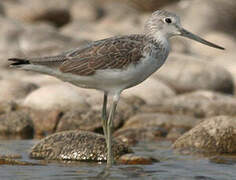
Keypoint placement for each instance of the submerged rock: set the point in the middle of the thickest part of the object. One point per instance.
(214, 135)
(76, 145)
(136, 159)
(9, 161)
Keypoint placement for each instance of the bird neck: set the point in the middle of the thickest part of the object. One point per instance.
(158, 42)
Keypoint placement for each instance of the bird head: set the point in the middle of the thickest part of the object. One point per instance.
(162, 25)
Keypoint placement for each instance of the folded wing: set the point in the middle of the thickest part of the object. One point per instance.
(112, 53)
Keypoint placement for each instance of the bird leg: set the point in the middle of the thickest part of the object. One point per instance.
(104, 115)
(109, 129)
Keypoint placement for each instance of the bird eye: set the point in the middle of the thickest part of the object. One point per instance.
(168, 20)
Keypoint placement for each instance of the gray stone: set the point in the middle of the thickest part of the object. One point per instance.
(160, 119)
(208, 15)
(8, 106)
(186, 73)
(89, 10)
(143, 5)
(132, 136)
(30, 41)
(86, 30)
(153, 126)
(198, 104)
(76, 145)
(53, 11)
(213, 135)
(13, 89)
(9, 33)
(57, 96)
(152, 91)
(90, 119)
(16, 124)
(45, 121)
(227, 60)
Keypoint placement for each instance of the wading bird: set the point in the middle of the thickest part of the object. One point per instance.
(114, 64)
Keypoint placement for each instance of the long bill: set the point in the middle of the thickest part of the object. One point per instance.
(192, 36)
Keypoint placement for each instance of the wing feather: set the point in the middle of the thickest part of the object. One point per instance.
(112, 53)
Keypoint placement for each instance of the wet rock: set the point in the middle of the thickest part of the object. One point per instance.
(13, 89)
(152, 91)
(136, 159)
(152, 126)
(76, 145)
(199, 104)
(10, 156)
(44, 10)
(9, 161)
(58, 96)
(16, 124)
(230, 160)
(213, 135)
(186, 73)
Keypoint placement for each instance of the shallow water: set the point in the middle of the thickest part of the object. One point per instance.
(171, 166)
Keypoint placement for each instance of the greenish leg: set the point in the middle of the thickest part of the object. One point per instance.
(109, 127)
(104, 115)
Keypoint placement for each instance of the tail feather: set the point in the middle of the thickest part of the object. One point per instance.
(17, 61)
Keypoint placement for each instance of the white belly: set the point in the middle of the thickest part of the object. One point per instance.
(113, 80)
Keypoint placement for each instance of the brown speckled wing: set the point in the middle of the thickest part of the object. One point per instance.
(112, 53)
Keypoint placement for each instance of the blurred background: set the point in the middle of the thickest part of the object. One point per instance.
(189, 103)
